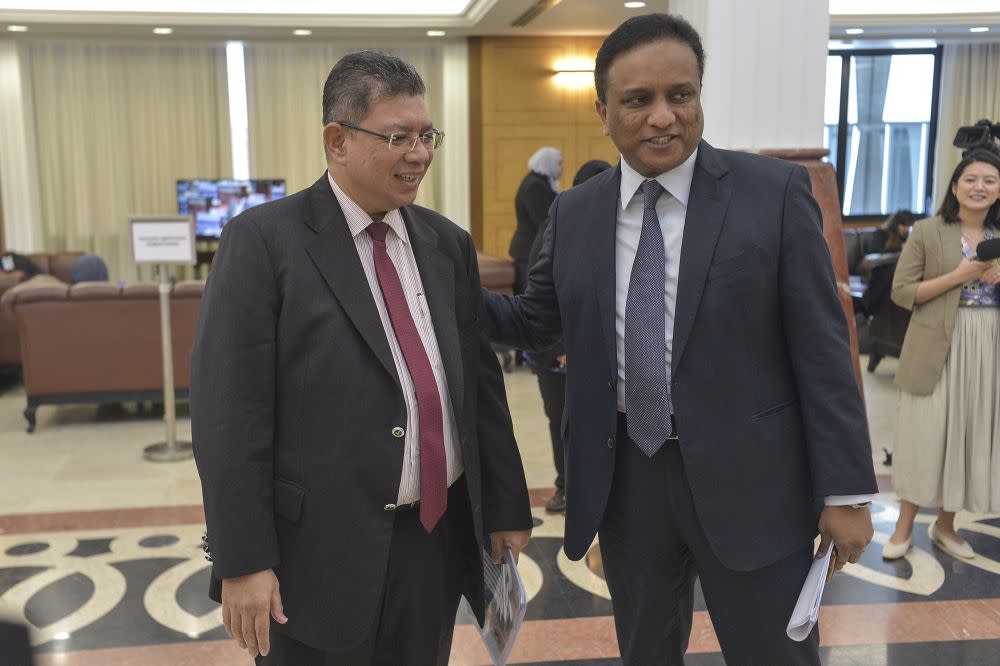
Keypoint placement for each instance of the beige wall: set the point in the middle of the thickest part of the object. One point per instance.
(517, 105)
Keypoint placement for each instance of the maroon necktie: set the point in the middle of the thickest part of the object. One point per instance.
(433, 465)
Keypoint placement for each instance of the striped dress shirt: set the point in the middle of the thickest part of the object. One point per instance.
(401, 252)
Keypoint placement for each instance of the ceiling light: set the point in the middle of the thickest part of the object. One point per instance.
(302, 32)
(436, 33)
(635, 5)
(17, 28)
(451, 8)
(855, 31)
(981, 28)
(61, 636)
(163, 31)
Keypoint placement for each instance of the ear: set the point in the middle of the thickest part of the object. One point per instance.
(602, 111)
(334, 142)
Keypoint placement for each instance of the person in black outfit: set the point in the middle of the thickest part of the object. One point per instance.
(892, 234)
(550, 366)
(534, 196)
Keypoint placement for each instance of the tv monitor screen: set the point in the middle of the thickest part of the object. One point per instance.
(213, 202)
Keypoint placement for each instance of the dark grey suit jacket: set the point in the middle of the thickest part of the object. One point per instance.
(762, 383)
(294, 397)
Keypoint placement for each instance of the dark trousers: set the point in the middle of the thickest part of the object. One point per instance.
(653, 546)
(552, 386)
(423, 586)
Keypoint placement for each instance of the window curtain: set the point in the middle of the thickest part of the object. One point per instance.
(117, 124)
(285, 109)
(871, 82)
(970, 91)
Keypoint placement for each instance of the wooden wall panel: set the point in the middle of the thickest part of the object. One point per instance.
(518, 107)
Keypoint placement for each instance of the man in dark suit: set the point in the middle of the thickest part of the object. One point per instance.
(713, 419)
(349, 418)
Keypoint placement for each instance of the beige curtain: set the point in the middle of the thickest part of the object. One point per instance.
(117, 125)
(285, 107)
(970, 90)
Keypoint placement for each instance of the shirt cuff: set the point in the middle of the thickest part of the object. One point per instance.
(845, 500)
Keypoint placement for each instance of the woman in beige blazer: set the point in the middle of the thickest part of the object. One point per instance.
(947, 447)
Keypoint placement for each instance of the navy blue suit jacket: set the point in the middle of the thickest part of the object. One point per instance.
(762, 382)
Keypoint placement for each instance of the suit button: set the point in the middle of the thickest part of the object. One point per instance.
(611, 442)
(390, 507)
(398, 432)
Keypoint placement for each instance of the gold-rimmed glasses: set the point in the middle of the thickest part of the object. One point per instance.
(404, 142)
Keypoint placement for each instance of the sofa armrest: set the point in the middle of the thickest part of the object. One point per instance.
(874, 260)
(8, 280)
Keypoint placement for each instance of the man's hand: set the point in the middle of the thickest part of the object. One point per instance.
(849, 529)
(246, 603)
(517, 540)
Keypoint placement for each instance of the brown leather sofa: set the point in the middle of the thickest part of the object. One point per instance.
(97, 342)
(60, 265)
(496, 274)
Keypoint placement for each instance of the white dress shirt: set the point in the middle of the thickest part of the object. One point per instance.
(397, 244)
(671, 209)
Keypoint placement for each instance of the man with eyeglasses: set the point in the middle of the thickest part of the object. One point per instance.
(349, 418)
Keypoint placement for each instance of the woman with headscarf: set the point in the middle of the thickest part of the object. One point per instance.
(534, 196)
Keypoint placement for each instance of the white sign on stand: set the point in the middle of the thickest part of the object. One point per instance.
(165, 240)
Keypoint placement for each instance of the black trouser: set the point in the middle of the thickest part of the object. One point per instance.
(653, 546)
(423, 586)
(552, 386)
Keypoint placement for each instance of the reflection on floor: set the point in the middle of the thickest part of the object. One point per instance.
(99, 552)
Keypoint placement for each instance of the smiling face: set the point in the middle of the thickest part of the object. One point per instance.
(376, 177)
(653, 109)
(977, 188)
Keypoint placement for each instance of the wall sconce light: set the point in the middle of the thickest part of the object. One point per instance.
(574, 73)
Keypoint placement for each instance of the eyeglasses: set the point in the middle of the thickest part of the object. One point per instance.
(402, 142)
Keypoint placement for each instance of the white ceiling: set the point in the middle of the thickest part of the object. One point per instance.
(475, 17)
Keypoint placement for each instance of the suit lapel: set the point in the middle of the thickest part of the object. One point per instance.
(335, 255)
(602, 260)
(437, 274)
(706, 212)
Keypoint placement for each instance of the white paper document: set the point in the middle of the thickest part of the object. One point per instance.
(806, 610)
(505, 604)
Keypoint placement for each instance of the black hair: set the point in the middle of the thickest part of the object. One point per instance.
(360, 79)
(949, 207)
(640, 30)
(589, 170)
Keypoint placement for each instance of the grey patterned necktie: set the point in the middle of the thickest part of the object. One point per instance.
(647, 387)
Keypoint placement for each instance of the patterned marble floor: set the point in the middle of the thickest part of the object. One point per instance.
(99, 553)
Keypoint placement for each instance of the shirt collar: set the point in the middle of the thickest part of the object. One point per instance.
(677, 181)
(358, 220)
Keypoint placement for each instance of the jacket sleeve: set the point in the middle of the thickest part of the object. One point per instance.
(910, 269)
(232, 402)
(505, 491)
(815, 326)
(529, 320)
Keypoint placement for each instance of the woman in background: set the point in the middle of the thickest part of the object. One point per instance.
(534, 196)
(892, 234)
(947, 447)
